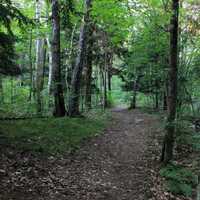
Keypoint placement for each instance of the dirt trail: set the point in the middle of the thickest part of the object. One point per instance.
(109, 167)
(112, 166)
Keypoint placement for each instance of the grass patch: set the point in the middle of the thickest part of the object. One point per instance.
(52, 135)
(179, 180)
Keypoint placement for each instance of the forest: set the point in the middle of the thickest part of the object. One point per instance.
(99, 99)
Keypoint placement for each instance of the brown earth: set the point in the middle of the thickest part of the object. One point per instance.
(112, 166)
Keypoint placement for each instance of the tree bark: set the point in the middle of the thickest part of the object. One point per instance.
(31, 65)
(77, 71)
(157, 100)
(109, 80)
(59, 105)
(109, 72)
(50, 67)
(69, 61)
(40, 62)
(168, 145)
(39, 76)
(133, 102)
(105, 72)
(88, 78)
(135, 89)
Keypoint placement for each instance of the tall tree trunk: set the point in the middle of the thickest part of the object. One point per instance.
(59, 105)
(39, 76)
(168, 145)
(109, 72)
(109, 80)
(88, 89)
(69, 61)
(77, 71)
(31, 65)
(40, 62)
(88, 78)
(105, 71)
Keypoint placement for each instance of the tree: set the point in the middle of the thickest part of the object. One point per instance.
(88, 74)
(9, 13)
(59, 105)
(167, 153)
(77, 71)
(40, 59)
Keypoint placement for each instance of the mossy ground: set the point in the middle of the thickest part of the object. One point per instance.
(51, 135)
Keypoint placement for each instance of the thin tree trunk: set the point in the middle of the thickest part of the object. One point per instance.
(31, 65)
(109, 72)
(157, 101)
(101, 85)
(96, 87)
(59, 104)
(50, 67)
(22, 65)
(164, 101)
(168, 145)
(109, 80)
(105, 95)
(157, 96)
(133, 102)
(104, 71)
(77, 71)
(135, 88)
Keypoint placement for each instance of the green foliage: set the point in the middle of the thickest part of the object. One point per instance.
(8, 14)
(110, 100)
(119, 97)
(196, 141)
(179, 179)
(7, 63)
(186, 135)
(50, 135)
(15, 99)
(113, 18)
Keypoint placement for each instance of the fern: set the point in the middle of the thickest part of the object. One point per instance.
(179, 180)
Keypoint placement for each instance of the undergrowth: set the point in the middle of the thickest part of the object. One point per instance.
(179, 179)
(51, 135)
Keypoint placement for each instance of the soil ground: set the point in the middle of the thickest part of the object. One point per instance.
(112, 166)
